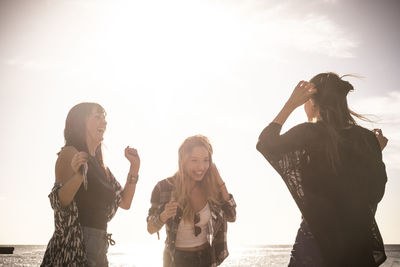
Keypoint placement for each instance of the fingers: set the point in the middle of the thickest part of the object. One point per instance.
(311, 88)
(132, 155)
(171, 206)
(300, 84)
(377, 132)
(131, 151)
(170, 210)
(381, 139)
(78, 160)
(306, 87)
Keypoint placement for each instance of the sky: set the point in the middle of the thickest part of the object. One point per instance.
(165, 70)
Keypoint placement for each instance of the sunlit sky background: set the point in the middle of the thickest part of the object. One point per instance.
(164, 70)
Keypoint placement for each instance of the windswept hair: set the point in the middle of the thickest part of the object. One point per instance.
(331, 99)
(209, 182)
(75, 127)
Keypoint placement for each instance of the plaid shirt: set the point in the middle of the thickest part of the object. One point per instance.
(217, 226)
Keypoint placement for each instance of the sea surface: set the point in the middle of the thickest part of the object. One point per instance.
(270, 255)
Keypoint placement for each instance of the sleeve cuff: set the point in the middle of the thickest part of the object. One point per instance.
(157, 222)
(231, 201)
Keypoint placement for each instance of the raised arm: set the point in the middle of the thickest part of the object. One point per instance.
(68, 173)
(133, 176)
(300, 95)
(270, 140)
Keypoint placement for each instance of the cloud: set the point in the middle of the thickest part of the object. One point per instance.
(330, 1)
(306, 28)
(386, 108)
(316, 33)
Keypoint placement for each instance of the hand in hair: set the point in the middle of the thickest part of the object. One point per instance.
(301, 94)
(215, 173)
(381, 138)
(220, 182)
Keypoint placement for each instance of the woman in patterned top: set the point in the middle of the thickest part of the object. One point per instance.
(333, 168)
(195, 206)
(86, 195)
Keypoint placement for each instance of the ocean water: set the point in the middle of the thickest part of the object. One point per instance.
(270, 255)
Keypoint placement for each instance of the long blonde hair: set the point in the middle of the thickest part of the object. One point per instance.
(209, 182)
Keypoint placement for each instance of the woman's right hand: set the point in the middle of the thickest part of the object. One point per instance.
(78, 160)
(301, 94)
(169, 211)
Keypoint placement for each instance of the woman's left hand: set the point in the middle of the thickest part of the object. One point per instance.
(132, 155)
(381, 138)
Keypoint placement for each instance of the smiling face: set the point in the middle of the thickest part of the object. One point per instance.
(95, 127)
(197, 163)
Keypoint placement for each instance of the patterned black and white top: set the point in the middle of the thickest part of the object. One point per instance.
(66, 247)
(217, 226)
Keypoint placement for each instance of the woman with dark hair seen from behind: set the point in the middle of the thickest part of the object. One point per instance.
(86, 195)
(333, 169)
(195, 206)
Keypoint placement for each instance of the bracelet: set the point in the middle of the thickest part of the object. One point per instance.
(133, 179)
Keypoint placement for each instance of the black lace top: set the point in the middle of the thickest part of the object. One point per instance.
(340, 206)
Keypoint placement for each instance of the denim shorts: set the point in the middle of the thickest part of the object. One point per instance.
(201, 258)
(96, 244)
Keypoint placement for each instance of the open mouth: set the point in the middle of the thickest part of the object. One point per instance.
(199, 174)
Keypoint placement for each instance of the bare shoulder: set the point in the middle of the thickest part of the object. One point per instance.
(63, 167)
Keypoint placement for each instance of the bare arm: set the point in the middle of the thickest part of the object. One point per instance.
(133, 176)
(68, 174)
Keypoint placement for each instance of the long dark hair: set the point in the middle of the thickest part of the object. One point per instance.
(335, 115)
(75, 127)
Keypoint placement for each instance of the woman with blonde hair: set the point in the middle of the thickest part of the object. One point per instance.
(195, 206)
(334, 170)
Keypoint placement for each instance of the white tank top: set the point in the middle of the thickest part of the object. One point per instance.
(185, 237)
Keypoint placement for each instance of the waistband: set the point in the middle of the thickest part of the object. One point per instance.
(99, 232)
(194, 249)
